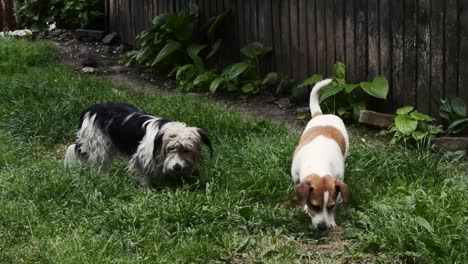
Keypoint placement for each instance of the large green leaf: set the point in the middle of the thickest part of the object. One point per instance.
(169, 49)
(377, 88)
(445, 109)
(272, 76)
(181, 25)
(357, 107)
(248, 88)
(418, 135)
(235, 70)
(203, 78)
(254, 50)
(458, 125)
(332, 89)
(405, 124)
(215, 24)
(193, 51)
(420, 116)
(215, 84)
(339, 70)
(404, 110)
(161, 20)
(185, 72)
(310, 81)
(458, 106)
(214, 49)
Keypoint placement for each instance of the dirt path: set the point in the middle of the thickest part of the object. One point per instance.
(105, 62)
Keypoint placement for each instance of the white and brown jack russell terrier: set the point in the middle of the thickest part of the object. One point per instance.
(318, 164)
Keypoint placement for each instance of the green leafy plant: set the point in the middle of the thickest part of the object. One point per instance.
(343, 98)
(245, 74)
(454, 110)
(67, 14)
(174, 39)
(412, 125)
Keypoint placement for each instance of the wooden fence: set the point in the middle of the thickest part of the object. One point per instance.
(421, 46)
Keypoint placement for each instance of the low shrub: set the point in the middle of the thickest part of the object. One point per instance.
(343, 98)
(66, 14)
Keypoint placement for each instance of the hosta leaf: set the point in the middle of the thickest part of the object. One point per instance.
(405, 124)
(350, 87)
(424, 223)
(445, 109)
(404, 110)
(193, 51)
(236, 70)
(458, 125)
(458, 106)
(254, 50)
(214, 49)
(310, 81)
(272, 76)
(160, 20)
(215, 24)
(377, 88)
(184, 70)
(420, 116)
(418, 135)
(215, 84)
(169, 49)
(248, 88)
(434, 130)
(202, 78)
(332, 89)
(339, 70)
(357, 107)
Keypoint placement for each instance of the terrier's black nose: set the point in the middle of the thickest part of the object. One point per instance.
(322, 226)
(177, 167)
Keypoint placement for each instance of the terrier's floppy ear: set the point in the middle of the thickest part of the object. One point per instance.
(343, 189)
(206, 140)
(303, 190)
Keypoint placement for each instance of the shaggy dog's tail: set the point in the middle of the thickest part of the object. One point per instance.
(314, 102)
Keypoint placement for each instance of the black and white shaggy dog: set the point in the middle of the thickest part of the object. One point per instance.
(160, 151)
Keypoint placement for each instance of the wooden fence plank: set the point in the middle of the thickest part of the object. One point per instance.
(321, 38)
(396, 8)
(276, 26)
(330, 36)
(423, 56)
(265, 31)
(361, 41)
(339, 30)
(241, 23)
(350, 51)
(303, 44)
(285, 37)
(385, 50)
(373, 39)
(451, 48)
(463, 51)
(312, 37)
(409, 92)
(295, 56)
(437, 55)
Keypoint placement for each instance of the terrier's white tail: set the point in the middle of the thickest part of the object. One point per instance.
(314, 103)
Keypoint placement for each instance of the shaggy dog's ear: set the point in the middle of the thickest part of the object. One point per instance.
(206, 140)
(158, 144)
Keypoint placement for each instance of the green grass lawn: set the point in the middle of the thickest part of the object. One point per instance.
(407, 206)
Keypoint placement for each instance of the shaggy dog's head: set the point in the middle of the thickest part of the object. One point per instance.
(178, 148)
